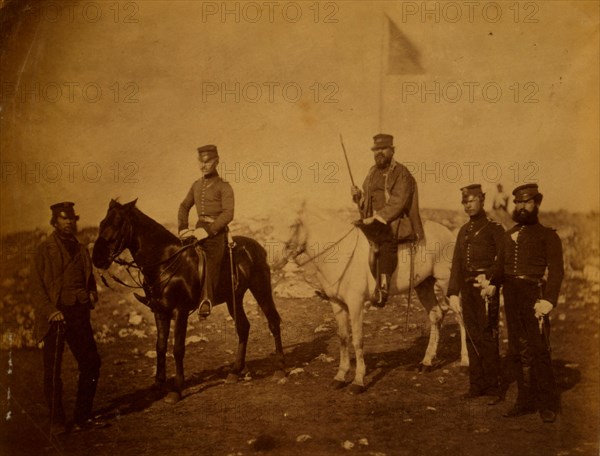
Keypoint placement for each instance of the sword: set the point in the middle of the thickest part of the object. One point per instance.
(347, 162)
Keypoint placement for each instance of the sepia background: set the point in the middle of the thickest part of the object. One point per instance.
(110, 99)
(104, 100)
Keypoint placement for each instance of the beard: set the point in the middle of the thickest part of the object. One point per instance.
(382, 161)
(524, 217)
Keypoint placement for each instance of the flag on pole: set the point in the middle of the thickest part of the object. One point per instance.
(402, 56)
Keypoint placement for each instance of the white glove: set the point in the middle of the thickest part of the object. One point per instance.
(542, 308)
(369, 220)
(454, 302)
(185, 233)
(481, 281)
(487, 289)
(56, 316)
(380, 218)
(200, 233)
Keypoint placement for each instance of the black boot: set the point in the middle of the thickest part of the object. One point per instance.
(380, 296)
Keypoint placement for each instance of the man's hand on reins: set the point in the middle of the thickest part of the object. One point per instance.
(198, 233)
(369, 220)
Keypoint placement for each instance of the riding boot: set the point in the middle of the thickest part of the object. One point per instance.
(380, 296)
(205, 306)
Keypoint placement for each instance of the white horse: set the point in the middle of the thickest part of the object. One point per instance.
(343, 272)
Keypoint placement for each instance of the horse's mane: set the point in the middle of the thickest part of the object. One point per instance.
(149, 222)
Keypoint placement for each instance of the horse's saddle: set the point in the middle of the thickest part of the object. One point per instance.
(375, 232)
(148, 299)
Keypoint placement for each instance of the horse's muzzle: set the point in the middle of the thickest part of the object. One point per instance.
(101, 254)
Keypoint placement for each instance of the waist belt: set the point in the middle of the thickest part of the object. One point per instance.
(206, 219)
(471, 275)
(527, 278)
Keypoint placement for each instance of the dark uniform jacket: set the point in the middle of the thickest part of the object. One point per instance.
(531, 249)
(213, 198)
(52, 265)
(393, 195)
(478, 246)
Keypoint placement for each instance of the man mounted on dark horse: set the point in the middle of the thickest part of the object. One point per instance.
(214, 201)
(181, 275)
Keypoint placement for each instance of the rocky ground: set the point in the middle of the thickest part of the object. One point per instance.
(402, 411)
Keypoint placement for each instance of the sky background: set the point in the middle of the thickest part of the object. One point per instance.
(111, 100)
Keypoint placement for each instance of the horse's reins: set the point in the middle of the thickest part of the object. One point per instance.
(132, 264)
(318, 254)
(302, 249)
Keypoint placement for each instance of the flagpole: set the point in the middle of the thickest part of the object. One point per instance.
(381, 70)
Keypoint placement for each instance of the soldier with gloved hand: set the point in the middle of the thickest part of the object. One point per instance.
(475, 273)
(531, 252)
(214, 201)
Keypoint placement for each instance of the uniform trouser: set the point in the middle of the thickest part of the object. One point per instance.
(482, 343)
(77, 332)
(388, 257)
(214, 248)
(528, 349)
(387, 252)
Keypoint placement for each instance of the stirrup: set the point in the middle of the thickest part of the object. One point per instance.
(204, 309)
(379, 298)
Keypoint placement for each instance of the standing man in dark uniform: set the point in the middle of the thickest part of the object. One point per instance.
(65, 292)
(213, 198)
(530, 251)
(475, 275)
(389, 201)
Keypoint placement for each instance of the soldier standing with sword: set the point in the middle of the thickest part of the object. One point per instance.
(531, 251)
(474, 276)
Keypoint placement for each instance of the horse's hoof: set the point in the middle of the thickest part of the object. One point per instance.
(337, 384)
(173, 397)
(357, 389)
(231, 378)
(425, 369)
(156, 391)
(278, 375)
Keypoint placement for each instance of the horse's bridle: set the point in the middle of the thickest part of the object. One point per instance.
(301, 247)
(122, 245)
(293, 246)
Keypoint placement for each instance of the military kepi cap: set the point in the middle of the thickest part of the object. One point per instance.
(382, 141)
(64, 209)
(210, 150)
(470, 190)
(524, 193)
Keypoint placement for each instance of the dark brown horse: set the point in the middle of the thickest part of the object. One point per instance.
(171, 277)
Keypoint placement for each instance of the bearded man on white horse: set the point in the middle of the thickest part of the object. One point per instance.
(389, 207)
